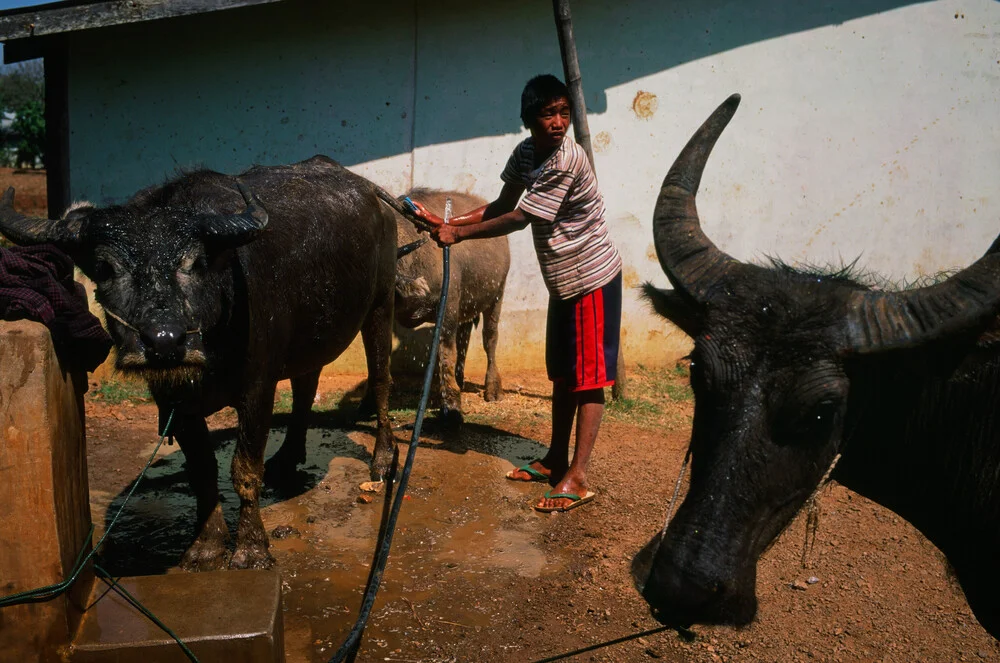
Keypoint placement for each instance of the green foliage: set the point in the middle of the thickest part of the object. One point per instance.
(120, 391)
(29, 127)
(22, 85)
(22, 92)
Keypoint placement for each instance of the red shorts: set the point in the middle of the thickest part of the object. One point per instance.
(582, 336)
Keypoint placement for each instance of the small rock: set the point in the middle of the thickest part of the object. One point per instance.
(365, 498)
(812, 580)
(652, 653)
(284, 531)
(799, 585)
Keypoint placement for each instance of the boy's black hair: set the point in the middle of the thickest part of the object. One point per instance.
(539, 91)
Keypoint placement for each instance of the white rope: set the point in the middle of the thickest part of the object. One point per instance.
(812, 514)
(677, 489)
(126, 324)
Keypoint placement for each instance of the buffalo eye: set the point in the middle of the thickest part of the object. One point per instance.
(103, 271)
(193, 265)
(814, 425)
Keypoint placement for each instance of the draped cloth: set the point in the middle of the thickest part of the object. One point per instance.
(36, 283)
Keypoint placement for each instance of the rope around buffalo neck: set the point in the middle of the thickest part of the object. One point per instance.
(677, 490)
(812, 514)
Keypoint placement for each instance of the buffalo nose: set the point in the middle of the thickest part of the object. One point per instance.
(164, 341)
(677, 598)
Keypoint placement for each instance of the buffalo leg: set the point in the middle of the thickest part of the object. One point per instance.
(462, 347)
(208, 552)
(451, 395)
(491, 331)
(254, 412)
(376, 333)
(280, 468)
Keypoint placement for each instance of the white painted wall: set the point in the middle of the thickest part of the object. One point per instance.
(867, 128)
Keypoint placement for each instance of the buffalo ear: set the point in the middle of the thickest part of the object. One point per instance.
(674, 307)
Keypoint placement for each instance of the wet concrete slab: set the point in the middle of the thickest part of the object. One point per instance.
(221, 616)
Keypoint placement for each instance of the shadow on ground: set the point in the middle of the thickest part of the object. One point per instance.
(156, 526)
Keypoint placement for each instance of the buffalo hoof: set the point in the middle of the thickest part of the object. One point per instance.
(252, 556)
(450, 418)
(493, 391)
(205, 556)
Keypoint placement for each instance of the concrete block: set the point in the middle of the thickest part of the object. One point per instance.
(44, 501)
(231, 616)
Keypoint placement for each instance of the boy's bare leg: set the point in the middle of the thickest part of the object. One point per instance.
(556, 461)
(590, 410)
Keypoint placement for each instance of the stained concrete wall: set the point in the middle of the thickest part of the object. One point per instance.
(868, 129)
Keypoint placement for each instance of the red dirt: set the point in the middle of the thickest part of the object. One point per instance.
(476, 575)
(29, 190)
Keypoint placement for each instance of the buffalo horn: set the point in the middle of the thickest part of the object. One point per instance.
(237, 229)
(879, 321)
(27, 230)
(690, 260)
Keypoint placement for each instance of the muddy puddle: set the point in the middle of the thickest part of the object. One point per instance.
(463, 534)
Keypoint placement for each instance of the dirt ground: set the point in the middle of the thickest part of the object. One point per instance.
(29, 190)
(476, 575)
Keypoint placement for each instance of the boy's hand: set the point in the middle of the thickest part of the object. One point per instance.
(446, 235)
(423, 213)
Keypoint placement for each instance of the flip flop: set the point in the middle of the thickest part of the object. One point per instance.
(532, 472)
(577, 501)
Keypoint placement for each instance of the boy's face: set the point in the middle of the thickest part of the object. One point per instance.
(551, 124)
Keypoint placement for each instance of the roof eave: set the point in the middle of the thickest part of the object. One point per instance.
(23, 26)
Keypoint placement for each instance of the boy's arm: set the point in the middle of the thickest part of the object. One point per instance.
(504, 224)
(505, 202)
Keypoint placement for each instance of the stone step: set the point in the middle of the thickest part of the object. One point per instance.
(232, 616)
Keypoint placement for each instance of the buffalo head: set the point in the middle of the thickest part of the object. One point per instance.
(775, 352)
(157, 270)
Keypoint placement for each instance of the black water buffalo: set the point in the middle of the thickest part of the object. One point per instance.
(790, 369)
(216, 288)
(478, 275)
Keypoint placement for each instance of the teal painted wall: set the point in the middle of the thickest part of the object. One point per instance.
(227, 90)
(868, 128)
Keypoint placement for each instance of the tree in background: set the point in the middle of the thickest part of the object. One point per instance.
(29, 128)
(22, 94)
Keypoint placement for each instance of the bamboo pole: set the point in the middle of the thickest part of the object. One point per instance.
(581, 129)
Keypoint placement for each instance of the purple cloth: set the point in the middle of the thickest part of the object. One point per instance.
(36, 283)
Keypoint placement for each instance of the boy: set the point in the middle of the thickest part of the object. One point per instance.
(582, 271)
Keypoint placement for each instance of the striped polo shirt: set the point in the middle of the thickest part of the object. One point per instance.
(574, 249)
